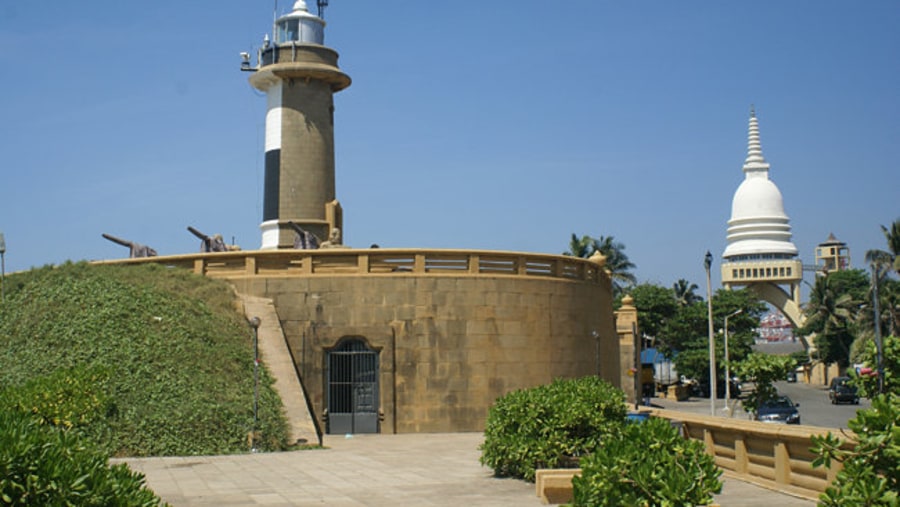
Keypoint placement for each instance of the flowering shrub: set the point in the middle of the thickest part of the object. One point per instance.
(75, 397)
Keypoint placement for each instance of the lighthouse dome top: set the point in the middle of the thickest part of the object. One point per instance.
(300, 26)
(758, 224)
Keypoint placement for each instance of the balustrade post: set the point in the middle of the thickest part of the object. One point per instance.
(782, 464)
(200, 266)
(709, 442)
(474, 264)
(522, 265)
(741, 460)
(362, 261)
(250, 264)
(419, 264)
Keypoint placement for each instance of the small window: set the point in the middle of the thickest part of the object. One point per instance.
(288, 30)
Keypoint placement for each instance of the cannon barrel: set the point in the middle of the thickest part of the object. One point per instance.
(119, 241)
(296, 227)
(197, 233)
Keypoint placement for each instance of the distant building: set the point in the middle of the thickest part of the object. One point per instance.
(774, 327)
(832, 255)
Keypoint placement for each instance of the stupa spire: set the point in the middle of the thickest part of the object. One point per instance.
(755, 161)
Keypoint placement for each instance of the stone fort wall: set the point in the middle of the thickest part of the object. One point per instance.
(454, 330)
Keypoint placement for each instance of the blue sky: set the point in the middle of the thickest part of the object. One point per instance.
(496, 125)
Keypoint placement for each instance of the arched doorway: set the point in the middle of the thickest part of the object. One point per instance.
(352, 387)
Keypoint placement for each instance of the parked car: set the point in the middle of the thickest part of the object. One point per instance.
(779, 410)
(841, 390)
(791, 376)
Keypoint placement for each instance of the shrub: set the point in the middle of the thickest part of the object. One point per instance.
(543, 426)
(647, 463)
(871, 471)
(44, 465)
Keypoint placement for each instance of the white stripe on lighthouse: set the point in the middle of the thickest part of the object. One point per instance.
(273, 117)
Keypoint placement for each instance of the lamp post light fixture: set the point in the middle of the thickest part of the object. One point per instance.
(707, 263)
(727, 359)
(254, 324)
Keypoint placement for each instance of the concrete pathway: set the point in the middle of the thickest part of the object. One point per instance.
(370, 470)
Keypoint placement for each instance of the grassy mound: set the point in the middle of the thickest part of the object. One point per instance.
(143, 360)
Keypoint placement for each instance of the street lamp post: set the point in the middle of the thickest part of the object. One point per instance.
(727, 359)
(254, 323)
(707, 263)
(2, 268)
(879, 367)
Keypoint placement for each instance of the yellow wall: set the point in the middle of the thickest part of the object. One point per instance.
(449, 346)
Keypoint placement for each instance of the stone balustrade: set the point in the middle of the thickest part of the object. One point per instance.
(774, 456)
(380, 261)
(771, 455)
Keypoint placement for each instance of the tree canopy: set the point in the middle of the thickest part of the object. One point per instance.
(617, 262)
(833, 312)
(681, 331)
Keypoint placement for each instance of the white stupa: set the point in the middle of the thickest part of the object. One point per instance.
(758, 225)
(760, 254)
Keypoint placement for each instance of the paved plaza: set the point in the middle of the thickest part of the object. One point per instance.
(370, 470)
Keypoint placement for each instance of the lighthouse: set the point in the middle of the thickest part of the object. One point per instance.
(299, 76)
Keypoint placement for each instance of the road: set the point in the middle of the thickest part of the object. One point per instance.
(815, 407)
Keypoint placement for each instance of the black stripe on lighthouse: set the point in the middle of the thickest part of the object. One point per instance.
(272, 185)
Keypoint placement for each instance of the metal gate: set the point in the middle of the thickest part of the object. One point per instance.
(352, 388)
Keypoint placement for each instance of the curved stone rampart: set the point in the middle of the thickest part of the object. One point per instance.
(453, 329)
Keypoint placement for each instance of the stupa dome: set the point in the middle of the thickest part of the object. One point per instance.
(758, 224)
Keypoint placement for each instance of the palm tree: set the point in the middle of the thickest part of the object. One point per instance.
(684, 292)
(882, 262)
(580, 247)
(831, 314)
(890, 258)
(617, 262)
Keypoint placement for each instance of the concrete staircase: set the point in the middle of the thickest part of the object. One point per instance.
(274, 353)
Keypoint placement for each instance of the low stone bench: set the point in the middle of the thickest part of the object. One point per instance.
(554, 485)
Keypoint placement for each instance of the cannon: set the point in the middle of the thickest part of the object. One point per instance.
(213, 243)
(305, 240)
(135, 250)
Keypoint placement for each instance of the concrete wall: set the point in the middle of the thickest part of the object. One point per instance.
(448, 345)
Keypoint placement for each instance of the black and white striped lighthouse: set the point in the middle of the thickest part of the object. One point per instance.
(299, 75)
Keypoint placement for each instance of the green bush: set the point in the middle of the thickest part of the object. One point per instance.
(647, 463)
(871, 469)
(544, 426)
(44, 465)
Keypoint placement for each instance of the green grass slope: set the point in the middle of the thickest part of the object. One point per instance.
(143, 360)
